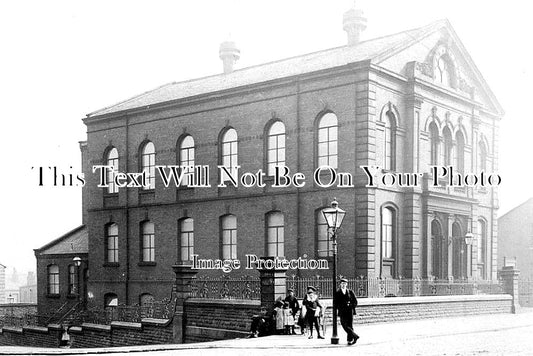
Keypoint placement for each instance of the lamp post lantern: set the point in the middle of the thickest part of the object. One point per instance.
(334, 217)
(77, 263)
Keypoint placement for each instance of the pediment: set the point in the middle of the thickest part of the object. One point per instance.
(439, 57)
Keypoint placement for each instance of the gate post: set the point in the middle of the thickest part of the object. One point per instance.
(182, 290)
(509, 275)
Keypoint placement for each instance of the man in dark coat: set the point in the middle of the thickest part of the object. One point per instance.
(346, 302)
(294, 306)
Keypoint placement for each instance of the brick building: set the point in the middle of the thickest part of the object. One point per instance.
(60, 283)
(2, 283)
(403, 102)
(515, 236)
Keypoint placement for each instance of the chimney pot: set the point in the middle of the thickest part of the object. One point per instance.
(354, 22)
(229, 53)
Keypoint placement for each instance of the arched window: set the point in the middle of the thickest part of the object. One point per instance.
(148, 242)
(110, 300)
(388, 237)
(459, 267)
(327, 140)
(186, 156)
(443, 70)
(146, 300)
(53, 279)
(228, 229)
(460, 139)
(112, 161)
(482, 252)
(389, 156)
(72, 279)
(323, 246)
(275, 147)
(186, 239)
(448, 146)
(434, 139)
(229, 152)
(275, 241)
(437, 250)
(112, 243)
(482, 156)
(148, 164)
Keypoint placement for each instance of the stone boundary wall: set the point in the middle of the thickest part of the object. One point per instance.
(18, 309)
(217, 319)
(208, 320)
(147, 332)
(377, 310)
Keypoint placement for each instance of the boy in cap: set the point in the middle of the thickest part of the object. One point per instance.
(312, 304)
(345, 302)
(294, 306)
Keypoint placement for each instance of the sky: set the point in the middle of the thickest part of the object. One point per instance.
(61, 60)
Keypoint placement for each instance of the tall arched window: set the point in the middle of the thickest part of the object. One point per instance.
(72, 279)
(228, 232)
(229, 152)
(460, 139)
(388, 236)
(275, 146)
(434, 141)
(53, 279)
(112, 243)
(459, 267)
(148, 164)
(389, 156)
(112, 161)
(323, 246)
(482, 156)
(186, 156)
(437, 250)
(147, 242)
(186, 239)
(448, 146)
(275, 241)
(327, 140)
(482, 252)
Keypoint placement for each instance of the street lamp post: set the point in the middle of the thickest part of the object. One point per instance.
(469, 239)
(334, 217)
(77, 263)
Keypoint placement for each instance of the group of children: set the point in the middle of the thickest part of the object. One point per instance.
(284, 318)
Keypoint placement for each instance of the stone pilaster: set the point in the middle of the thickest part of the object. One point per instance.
(365, 198)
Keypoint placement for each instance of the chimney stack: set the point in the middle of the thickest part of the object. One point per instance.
(354, 22)
(229, 53)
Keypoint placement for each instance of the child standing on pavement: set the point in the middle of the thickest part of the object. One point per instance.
(279, 317)
(289, 319)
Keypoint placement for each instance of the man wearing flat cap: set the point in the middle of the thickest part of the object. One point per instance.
(346, 302)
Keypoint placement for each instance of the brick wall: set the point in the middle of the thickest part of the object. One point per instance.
(218, 319)
(17, 309)
(209, 320)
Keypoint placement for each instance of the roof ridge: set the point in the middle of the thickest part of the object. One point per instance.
(55, 241)
(129, 99)
(192, 80)
(516, 207)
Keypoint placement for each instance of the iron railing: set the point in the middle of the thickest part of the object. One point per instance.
(384, 287)
(245, 287)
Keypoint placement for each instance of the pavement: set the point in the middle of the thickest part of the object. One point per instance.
(495, 334)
